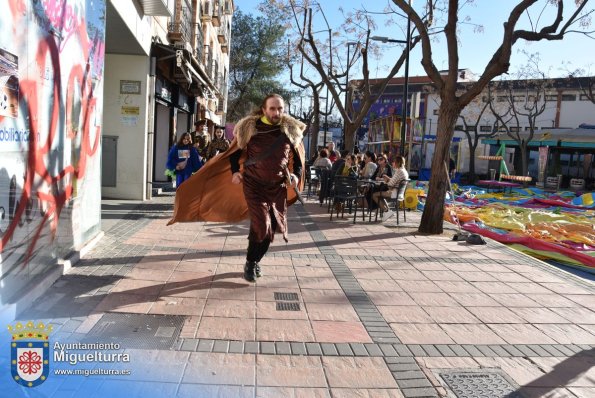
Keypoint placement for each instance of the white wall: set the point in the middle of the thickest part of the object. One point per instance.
(130, 129)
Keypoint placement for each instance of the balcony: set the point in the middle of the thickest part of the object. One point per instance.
(227, 8)
(154, 8)
(181, 29)
(222, 35)
(225, 48)
(217, 13)
(208, 61)
(199, 43)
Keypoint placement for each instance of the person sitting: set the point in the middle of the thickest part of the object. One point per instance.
(350, 168)
(323, 161)
(338, 165)
(383, 170)
(183, 160)
(370, 165)
(399, 174)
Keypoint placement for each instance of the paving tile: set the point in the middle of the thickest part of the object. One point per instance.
(124, 302)
(331, 312)
(217, 368)
(187, 390)
(366, 392)
(433, 299)
(418, 333)
(552, 300)
(324, 296)
(390, 298)
(521, 334)
(514, 300)
(220, 328)
(471, 334)
(419, 287)
(297, 392)
(139, 287)
(283, 330)
(178, 306)
(566, 334)
(495, 315)
(474, 299)
(357, 372)
(450, 315)
(268, 310)
(340, 332)
(540, 315)
(574, 314)
(405, 314)
(289, 371)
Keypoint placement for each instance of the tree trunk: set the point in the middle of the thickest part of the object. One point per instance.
(350, 130)
(472, 176)
(431, 219)
(524, 156)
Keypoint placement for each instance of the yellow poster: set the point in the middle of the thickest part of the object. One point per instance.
(130, 110)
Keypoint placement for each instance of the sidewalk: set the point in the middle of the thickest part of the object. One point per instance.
(342, 310)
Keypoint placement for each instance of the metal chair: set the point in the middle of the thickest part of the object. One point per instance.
(313, 178)
(398, 195)
(346, 192)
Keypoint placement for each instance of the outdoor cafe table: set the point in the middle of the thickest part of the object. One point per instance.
(498, 185)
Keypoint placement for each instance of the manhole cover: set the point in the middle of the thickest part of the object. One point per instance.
(137, 330)
(480, 385)
(287, 306)
(286, 296)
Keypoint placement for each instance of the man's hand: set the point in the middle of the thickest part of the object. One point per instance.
(237, 178)
(294, 180)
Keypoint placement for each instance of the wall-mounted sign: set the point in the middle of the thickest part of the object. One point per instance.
(129, 86)
(130, 110)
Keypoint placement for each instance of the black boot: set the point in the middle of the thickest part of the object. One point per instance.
(257, 270)
(249, 269)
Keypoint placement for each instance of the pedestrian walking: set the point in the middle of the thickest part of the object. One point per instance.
(183, 160)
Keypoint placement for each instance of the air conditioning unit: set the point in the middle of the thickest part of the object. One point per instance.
(183, 45)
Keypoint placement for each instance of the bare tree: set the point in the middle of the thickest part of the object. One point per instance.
(453, 101)
(367, 90)
(473, 119)
(523, 100)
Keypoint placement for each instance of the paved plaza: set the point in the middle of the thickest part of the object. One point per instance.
(342, 310)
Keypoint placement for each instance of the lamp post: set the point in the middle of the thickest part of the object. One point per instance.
(406, 84)
(325, 115)
(349, 44)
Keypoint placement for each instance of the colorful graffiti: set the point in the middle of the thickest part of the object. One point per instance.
(50, 146)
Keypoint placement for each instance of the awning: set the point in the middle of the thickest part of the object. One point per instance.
(164, 8)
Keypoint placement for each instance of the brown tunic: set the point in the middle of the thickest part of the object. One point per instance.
(264, 183)
(209, 194)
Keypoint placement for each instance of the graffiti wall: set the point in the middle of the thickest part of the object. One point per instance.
(51, 95)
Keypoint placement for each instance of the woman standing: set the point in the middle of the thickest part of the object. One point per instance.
(183, 160)
(219, 145)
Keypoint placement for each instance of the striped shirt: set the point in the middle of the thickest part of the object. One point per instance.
(398, 176)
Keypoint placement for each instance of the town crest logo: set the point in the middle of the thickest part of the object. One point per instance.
(30, 353)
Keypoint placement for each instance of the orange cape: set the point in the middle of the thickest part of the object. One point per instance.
(209, 194)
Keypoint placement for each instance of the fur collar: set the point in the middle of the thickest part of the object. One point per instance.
(246, 128)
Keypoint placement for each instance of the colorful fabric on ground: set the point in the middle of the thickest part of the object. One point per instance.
(558, 226)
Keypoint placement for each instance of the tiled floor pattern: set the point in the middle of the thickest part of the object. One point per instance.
(436, 296)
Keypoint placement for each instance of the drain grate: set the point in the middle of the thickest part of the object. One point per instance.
(480, 384)
(287, 306)
(286, 296)
(137, 330)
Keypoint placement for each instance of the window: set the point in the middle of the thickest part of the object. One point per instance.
(459, 127)
(471, 129)
(436, 111)
(568, 97)
(485, 129)
(515, 129)
(584, 97)
(553, 97)
(519, 98)
(502, 98)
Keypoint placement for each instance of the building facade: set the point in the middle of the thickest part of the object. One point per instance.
(94, 94)
(567, 106)
(52, 81)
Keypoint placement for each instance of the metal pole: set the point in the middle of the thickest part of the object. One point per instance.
(325, 116)
(346, 92)
(405, 89)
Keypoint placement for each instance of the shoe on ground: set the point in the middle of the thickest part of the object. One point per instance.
(249, 271)
(387, 215)
(257, 272)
